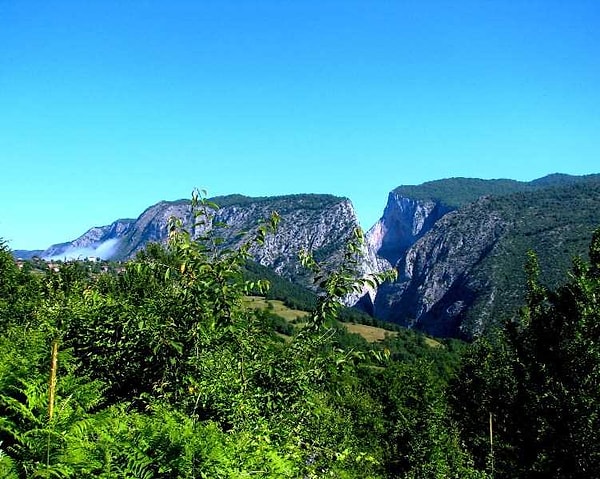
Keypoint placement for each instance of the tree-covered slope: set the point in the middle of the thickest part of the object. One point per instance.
(536, 381)
(457, 192)
(162, 371)
(466, 272)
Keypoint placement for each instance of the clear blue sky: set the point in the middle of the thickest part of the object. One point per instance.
(107, 107)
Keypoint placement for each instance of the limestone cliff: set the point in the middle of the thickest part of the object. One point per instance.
(435, 286)
(460, 254)
(404, 221)
(319, 223)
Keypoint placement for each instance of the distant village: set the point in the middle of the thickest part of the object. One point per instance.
(96, 263)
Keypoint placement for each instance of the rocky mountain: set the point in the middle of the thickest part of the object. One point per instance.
(459, 246)
(319, 223)
(100, 241)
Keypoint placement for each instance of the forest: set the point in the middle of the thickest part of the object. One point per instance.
(161, 370)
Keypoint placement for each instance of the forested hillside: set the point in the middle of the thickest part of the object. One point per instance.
(457, 192)
(460, 273)
(161, 370)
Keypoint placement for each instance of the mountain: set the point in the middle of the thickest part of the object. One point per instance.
(27, 253)
(459, 246)
(101, 241)
(319, 223)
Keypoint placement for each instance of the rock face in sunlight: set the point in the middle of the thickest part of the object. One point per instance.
(459, 247)
(101, 242)
(404, 221)
(319, 223)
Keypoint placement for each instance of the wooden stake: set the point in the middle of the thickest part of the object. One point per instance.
(491, 445)
(52, 383)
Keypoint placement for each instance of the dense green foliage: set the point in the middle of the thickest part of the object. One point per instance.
(307, 201)
(539, 381)
(457, 192)
(556, 223)
(161, 371)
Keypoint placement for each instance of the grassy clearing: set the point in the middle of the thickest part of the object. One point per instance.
(276, 306)
(371, 333)
(433, 343)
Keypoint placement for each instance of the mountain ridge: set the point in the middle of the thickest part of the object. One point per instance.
(453, 277)
(458, 244)
(321, 223)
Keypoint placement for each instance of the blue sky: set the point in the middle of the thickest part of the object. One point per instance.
(107, 107)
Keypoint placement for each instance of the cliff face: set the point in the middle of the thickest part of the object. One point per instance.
(321, 224)
(437, 283)
(318, 223)
(460, 268)
(404, 221)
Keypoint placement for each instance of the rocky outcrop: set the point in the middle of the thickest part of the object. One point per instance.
(460, 269)
(404, 221)
(437, 283)
(318, 223)
(100, 241)
(322, 227)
